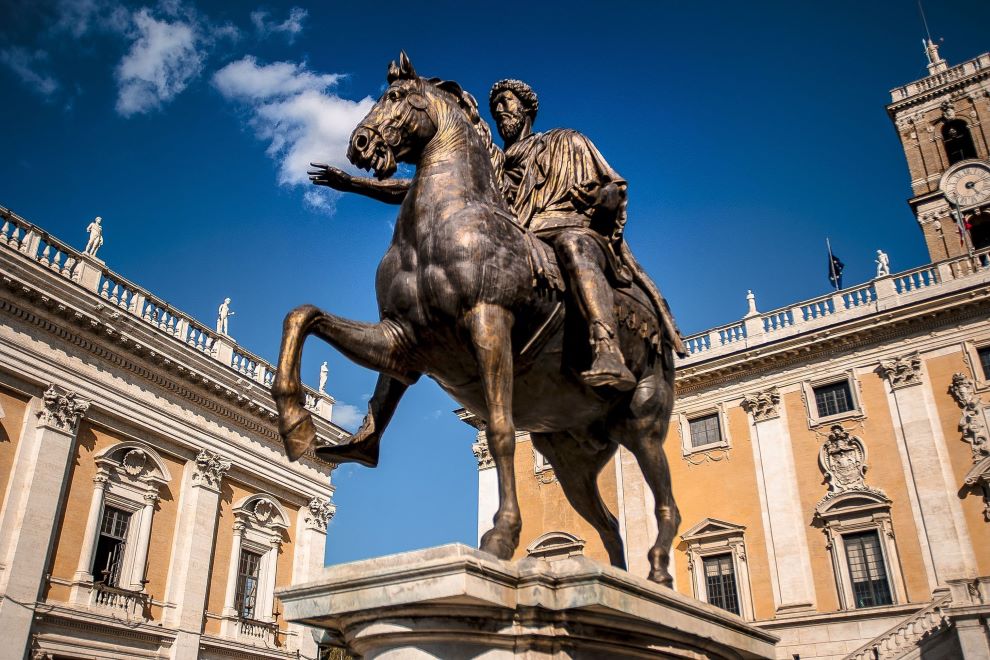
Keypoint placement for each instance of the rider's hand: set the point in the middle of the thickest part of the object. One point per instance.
(585, 196)
(327, 175)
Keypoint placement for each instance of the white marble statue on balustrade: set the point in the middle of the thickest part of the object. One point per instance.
(323, 377)
(883, 264)
(222, 315)
(95, 230)
(751, 302)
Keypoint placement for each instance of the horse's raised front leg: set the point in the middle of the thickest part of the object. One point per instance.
(378, 346)
(362, 447)
(490, 328)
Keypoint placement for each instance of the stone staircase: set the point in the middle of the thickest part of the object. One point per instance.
(906, 635)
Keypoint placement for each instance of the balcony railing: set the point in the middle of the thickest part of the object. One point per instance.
(259, 632)
(133, 604)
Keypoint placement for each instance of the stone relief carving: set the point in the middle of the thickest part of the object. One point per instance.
(763, 405)
(62, 411)
(972, 425)
(135, 462)
(484, 456)
(320, 513)
(843, 459)
(263, 511)
(902, 371)
(210, 468)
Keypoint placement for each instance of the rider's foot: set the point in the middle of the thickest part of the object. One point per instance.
(361, 448)
(608, 368)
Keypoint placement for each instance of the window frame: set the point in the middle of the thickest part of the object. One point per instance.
(811, 403)
(972, 349)
(854, 512)
(846, 544)
(684, 420)
(710, 538)
(128, 541)
(706, 561)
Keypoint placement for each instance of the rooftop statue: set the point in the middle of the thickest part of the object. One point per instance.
(509, 283)
(95, 231)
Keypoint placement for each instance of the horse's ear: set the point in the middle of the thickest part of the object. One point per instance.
(393, 72)
(450, 86)
(406, 69)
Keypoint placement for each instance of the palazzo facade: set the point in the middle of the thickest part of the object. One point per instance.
(830, 459)
(147, 508)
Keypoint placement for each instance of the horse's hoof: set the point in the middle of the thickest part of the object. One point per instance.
(299, 437)
(494, 544)
(663, 578)
(363, 452)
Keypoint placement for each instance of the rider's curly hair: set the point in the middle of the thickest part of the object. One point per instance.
(525, 93)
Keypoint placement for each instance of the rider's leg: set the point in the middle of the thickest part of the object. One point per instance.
(581, 257)
(362, 447)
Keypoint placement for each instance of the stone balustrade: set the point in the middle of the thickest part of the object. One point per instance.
(945, 77)
(34, 243)
(904, 637)
(132, 604)
(858, 301)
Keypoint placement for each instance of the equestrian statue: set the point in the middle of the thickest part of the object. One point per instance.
(509, 283)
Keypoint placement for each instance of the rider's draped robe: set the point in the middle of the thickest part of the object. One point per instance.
(539, 173)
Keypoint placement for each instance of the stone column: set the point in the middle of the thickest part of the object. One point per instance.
(487, 485)
(946, 544)
(84, 569)
(195, 532)
(308, 563)
(230, 593)
(783, 520)
(33, 508)
(144, 536)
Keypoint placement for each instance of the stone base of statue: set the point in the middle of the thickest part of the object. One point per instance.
(456, 602)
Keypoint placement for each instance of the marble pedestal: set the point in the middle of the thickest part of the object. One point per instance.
(455, 602)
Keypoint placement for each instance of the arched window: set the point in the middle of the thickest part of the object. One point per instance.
(958, 141)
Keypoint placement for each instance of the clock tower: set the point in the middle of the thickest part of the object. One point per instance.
(943, 121)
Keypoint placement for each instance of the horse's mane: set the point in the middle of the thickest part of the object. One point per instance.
(469, 105)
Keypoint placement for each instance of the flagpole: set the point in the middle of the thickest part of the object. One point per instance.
(831, 264)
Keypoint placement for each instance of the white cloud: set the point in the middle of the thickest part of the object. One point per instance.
(163, 58)
(291, 26)
(293, 110)
(26, 66)
(79, 17)
(346, 415)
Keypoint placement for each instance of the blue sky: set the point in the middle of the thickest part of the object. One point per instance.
(748, 132)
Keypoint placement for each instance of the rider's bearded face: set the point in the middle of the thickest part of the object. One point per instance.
(510, 116)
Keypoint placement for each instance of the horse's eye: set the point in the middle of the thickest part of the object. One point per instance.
(394, 95)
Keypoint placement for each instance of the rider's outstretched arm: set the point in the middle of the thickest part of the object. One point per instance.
(390, 191)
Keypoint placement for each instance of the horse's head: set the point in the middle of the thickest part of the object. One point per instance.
(403, 121)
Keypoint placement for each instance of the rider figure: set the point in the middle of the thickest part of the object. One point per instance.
(560, 187)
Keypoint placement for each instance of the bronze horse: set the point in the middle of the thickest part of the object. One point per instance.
(458, 303)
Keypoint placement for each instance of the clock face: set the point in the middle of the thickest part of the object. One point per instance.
(968, 185)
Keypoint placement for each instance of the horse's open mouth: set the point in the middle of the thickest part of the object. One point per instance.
(369, 151)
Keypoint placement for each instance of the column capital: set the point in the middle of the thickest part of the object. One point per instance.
(764, 405)
(903, 371)
(210, 469)
(321, 511)
(480, 450)
(150, 499)
(61, 412)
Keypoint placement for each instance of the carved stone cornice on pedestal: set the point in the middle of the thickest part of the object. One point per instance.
(484, 456)
(903, 371)
(974, 430)
(61, 412)
(763, 405)
(843, 460)
(210, 469)
(320, 514)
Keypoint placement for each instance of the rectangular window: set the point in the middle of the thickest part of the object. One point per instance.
(833, 399)
(720, 582)
(984, 354)
(866, 569)
(109, 556)
(247, 584)
(705, 430)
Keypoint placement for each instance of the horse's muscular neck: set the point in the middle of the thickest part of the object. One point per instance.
(454, 169)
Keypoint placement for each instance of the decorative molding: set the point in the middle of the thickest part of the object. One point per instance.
(210, 469)
(978, 479)
(321, 512)
(764, 405)
(484, 456)
(843, 460)
(971, 424)
(707, 456)
(903, 371)
(62, 412)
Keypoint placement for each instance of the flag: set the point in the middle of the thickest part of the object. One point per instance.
(835, 267)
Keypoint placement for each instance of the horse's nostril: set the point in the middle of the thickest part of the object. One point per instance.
(361, 142)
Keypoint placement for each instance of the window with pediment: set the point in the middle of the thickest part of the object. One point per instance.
(716, 552)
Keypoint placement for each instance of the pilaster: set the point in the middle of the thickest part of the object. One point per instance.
(928, 471)
(33, 508)
(192, 553)
(784, 521)
(308, 563)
